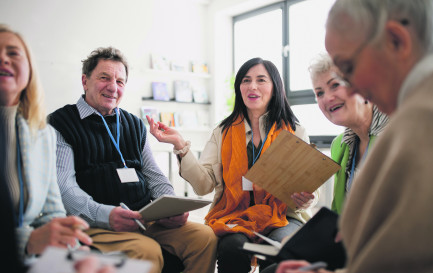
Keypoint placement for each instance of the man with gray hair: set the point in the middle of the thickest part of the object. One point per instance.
(384, 48)
(96, 141)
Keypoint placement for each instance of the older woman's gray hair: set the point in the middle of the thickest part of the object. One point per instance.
(322, 63)
(368, 18)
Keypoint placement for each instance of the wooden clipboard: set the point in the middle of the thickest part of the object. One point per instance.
(291, 165)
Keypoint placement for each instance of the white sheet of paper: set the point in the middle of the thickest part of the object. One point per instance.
(247, 185)
(127, 175)
(270, 241)
(55, 260)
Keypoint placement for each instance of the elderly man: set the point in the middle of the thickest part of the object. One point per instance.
(384, 48)
(96, 141)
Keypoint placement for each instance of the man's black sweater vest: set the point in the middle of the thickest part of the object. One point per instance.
(96, 158)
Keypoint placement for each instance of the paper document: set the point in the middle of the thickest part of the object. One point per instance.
(169, 205)
(291, 165)
(268, 240)
(60, 260)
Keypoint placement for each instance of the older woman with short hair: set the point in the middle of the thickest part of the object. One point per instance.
(363, 122)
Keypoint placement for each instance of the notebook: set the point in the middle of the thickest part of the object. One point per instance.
(314, 242)
(169, 205)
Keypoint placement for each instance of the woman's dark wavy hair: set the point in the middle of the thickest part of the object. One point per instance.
(279, 110)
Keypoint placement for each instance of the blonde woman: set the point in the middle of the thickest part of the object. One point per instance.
(30, 171)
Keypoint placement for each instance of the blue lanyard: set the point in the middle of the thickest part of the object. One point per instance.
(116, 143)
(19, 222)
(352, 171)
(252, 141)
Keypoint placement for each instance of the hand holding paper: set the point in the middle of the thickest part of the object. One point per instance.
(174, 221)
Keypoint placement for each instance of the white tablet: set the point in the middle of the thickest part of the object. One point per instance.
(169, 205)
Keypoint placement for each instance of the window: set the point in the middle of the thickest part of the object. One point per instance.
(258, 34)
(289, 34)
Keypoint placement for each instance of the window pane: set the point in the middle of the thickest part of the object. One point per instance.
(314, 121)
(307, 38)
(259, 36)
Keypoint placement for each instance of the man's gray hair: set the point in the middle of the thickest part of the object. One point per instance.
(370, 16)
(103, 53)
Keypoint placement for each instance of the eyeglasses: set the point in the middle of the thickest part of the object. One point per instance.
(347, 67)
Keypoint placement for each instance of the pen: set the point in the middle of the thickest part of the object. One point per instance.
(138, 222)
(77, 243)
(313, 266)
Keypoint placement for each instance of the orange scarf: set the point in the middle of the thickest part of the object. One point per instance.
(268, 212)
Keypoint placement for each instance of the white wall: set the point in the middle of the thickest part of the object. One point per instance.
(62, 33)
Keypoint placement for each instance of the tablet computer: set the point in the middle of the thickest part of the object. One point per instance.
(169, 205)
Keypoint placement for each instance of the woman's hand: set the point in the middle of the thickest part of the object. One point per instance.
(166, 134)
(59, 232)
(302, 200)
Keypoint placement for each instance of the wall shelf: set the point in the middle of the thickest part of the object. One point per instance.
(173, 101)
(181, 74)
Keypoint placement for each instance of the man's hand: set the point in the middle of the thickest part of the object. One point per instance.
(59, 232)
(92, 264)
(123, 220)
(174, 221)
(293, 266)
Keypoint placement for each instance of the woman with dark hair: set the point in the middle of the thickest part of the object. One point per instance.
(241, 208)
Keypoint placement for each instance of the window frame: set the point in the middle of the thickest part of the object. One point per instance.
(295, 97)
(298, 97)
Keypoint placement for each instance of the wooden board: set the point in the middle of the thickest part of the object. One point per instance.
(291, 165)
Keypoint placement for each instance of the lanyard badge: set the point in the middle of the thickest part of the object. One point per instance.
(125, 174)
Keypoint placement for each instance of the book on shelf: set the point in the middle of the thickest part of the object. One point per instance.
(203, 118)
(182, 91)
(186, 119)
(167, 118)
(160, 91)
(199, 67)
(159, 62)
(313, 242)
(151, 112)
(179, 66)
(291, 165)
(200, 94)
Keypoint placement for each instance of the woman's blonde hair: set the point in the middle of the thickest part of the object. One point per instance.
(31, 104)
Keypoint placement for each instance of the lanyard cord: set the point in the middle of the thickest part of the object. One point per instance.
(352, 171)
(116, 143)
(19, 221)
(263, 143)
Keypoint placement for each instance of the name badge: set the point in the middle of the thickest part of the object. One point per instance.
(127, 175)
(247, 185)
